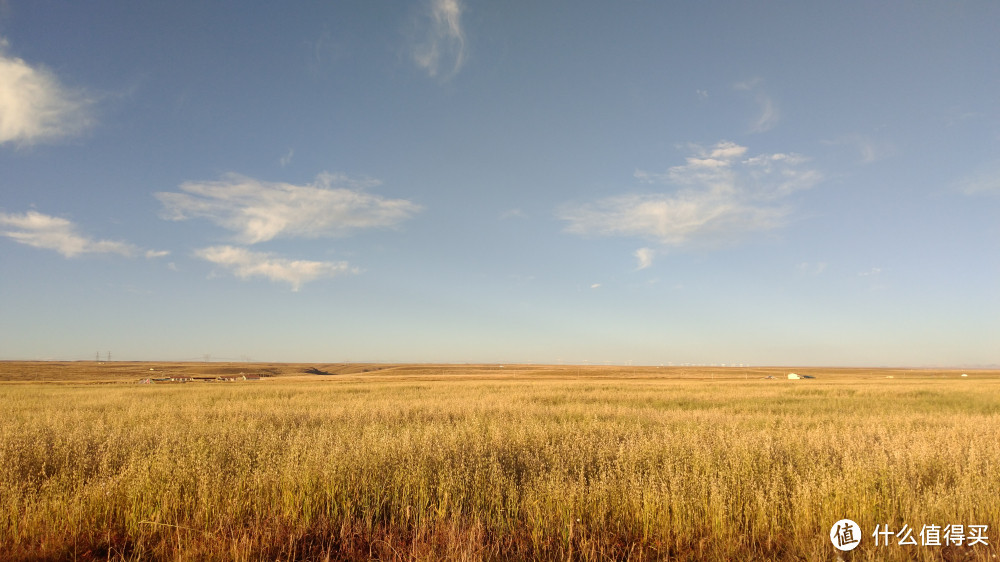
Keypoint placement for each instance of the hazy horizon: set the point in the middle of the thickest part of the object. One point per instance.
(513, 364)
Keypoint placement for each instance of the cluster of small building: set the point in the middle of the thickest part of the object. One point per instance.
(185, 378)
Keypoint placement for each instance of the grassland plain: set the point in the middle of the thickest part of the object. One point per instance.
(470, 463)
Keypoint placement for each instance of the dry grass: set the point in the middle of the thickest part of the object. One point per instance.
(476, 462)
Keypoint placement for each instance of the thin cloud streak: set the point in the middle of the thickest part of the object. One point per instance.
(445, 42)
(513, 214)
(53, 233)
(984, 182)
(769, 114)
(258, 211)
(246, 264)
(35, 106)
(868, 149)
(719, 196)
(811, 268)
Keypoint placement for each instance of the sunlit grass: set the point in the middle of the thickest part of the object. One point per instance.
(493, 468)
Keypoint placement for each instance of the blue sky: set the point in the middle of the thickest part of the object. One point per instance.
(452, 180)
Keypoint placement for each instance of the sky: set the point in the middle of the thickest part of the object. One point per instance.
(589, 182)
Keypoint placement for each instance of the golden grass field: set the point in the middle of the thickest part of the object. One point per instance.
(467, 462)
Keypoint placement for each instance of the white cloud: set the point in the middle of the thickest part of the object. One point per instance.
(151, 254)
(444, 45)
(53, 233)
(645, 257)
(981, 183)
(808, 268)
(769, 114)
(671, 220)
(258, 211)
(955, 115)
(727, 150)
(595, 286)
(875, 279)
(245, 264)
(513, 214)
(719, 195)
(286, 159)
(35, 106)
(868, 149)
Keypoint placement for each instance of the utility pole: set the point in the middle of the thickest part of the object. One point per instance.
(109, 357)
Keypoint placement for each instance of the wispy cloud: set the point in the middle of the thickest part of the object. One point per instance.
(868, 149)
(245, 264)
(35, 106)
(325, 52)
(644, 257)
(513, 214)
(152, 254)
(769, 114)
(443, 49)
(257, 211)
(811, 268)
(956, 115)
(53, 233)
(286, 159)
(875, 279)
(719, 195)
(983, 182)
